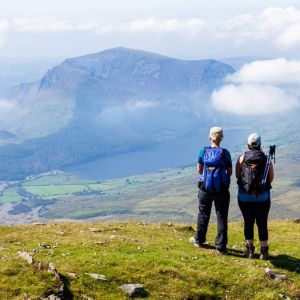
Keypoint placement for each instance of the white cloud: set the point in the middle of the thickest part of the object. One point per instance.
(3, 29)
(275, 26)
(118, 113)
(3, 25)
(277, 71)
(42, 25)
(140, 104)
(260, 87)
(6, 105)
(189, 26)
(290, 38)
(252, 99)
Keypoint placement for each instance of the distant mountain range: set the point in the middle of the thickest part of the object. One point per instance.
(101, 104)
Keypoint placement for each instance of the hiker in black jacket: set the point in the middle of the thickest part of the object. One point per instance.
(215, 168)
(253, 197)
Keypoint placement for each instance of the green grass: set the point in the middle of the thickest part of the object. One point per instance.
(158, 256)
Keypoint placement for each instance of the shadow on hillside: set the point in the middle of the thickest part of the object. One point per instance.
(235, 252)
(67, 294)
(287, 262)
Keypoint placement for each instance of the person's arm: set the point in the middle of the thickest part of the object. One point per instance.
(238, 167)
(200, 168)
(271, 173)
(228, 163)
(229, 171)
(200, 164)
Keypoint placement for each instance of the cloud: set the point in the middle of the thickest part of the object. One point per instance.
(290, 38)
(3, 26)
(260, 87)
(6, 105)
(252, 99)
(118, 113)
(140, 104)
(277, 71)
(42, 25)
(3, 29)
(189, 26)
(277, 26)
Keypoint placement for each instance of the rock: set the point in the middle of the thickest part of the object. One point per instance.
(26, 256)
(297, 221)
(87, 297)
(283, 296)
(270, 273)
(71, 274)
(277, 277)
(100, 243)
(95, 229)
(45, 246)
(60, 283)
(280, 278)
(97, 276)
(134, 290)
(52, 297)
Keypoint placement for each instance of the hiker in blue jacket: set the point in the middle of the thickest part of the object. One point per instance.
(254, 197)
(215, 169)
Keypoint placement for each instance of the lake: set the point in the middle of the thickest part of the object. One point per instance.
(169, 154)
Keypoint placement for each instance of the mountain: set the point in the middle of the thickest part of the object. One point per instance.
(101, 104)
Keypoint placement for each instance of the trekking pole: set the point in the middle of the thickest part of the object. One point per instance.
(270, 156)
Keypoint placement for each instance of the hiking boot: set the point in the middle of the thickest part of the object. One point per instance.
(264, 253)
(194, 242)
(249, 251)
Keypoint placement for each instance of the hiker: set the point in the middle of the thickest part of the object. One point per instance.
(215, 168)
(253, 197)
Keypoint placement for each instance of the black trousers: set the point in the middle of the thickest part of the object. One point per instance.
(221, 201)
(255, 212)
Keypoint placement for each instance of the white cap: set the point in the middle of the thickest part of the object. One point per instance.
(254, 140)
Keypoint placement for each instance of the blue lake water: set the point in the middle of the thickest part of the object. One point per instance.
(169, 154)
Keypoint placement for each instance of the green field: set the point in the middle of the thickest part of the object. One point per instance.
(158, 256)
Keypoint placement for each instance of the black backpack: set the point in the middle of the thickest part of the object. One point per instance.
(252, 172)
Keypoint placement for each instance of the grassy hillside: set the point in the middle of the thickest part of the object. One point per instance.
(158, 256)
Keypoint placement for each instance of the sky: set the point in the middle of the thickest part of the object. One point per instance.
(187, 29)
(190, 29)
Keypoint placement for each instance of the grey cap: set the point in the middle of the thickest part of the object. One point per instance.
(254, 140)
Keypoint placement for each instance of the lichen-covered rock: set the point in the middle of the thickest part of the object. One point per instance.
(96, 276)
(27, 256)
(134, 290)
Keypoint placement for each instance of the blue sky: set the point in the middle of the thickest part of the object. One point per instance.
(186, 29)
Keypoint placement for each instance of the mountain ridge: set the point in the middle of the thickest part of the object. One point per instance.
(104, 103)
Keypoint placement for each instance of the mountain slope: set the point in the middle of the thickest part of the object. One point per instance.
(105, 103)
(158, 256)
